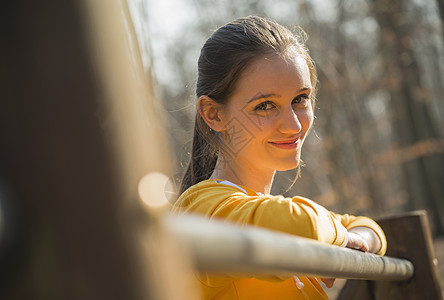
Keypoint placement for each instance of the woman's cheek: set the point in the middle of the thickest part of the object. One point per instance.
(306, 118)
(263, 126)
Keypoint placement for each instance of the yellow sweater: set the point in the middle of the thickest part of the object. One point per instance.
(299, 216)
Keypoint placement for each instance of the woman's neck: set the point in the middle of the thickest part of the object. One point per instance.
(259, 180)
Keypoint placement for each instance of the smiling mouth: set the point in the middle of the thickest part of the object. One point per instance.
(286, 144)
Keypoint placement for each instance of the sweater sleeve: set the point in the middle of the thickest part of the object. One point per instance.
(297, 215)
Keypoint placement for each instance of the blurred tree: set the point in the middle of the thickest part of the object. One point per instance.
(441, 12)
(413, 121)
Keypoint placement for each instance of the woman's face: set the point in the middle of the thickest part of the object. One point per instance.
(269, 114)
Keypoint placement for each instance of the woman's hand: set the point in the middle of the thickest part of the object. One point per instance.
(358, 238)
(328, 281)
(356, 241)
(371, 239)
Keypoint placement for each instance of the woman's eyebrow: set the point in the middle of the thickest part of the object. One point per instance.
(304, 89)
(272, 95)
(260, 96)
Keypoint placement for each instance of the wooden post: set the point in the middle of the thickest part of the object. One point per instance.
(79, 127)
(408, 237)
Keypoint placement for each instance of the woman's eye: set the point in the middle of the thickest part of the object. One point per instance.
(264, 106)
(300, 99)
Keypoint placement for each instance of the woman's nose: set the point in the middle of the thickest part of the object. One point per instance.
(289, 122)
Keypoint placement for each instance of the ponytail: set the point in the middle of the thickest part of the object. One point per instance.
(203, 155)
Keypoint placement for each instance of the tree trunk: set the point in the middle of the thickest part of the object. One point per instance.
(411, 109)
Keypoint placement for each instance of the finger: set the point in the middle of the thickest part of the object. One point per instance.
(355, 241)
(328, 281)
(364, 246)
(360, 244)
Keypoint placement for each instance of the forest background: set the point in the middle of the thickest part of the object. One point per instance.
(377, 147)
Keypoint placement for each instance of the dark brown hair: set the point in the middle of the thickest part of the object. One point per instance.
(223, 58)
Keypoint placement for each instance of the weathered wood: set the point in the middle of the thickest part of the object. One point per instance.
(251, 251)
(77, 125)
(408, 237)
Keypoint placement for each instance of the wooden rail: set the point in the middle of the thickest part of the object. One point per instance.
(221, 247)
(407, 272)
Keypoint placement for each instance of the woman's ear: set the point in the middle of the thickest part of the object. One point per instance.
(211, 112)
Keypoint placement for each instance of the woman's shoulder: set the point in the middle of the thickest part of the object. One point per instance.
(217, 186)
(212, 191)
(221, 187)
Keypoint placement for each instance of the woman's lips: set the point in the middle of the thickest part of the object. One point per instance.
(286, 144)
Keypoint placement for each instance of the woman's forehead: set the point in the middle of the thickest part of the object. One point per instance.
(269, 69)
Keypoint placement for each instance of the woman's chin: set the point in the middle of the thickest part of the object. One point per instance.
(290, 165)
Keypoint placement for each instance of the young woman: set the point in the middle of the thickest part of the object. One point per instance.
(256, 93)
